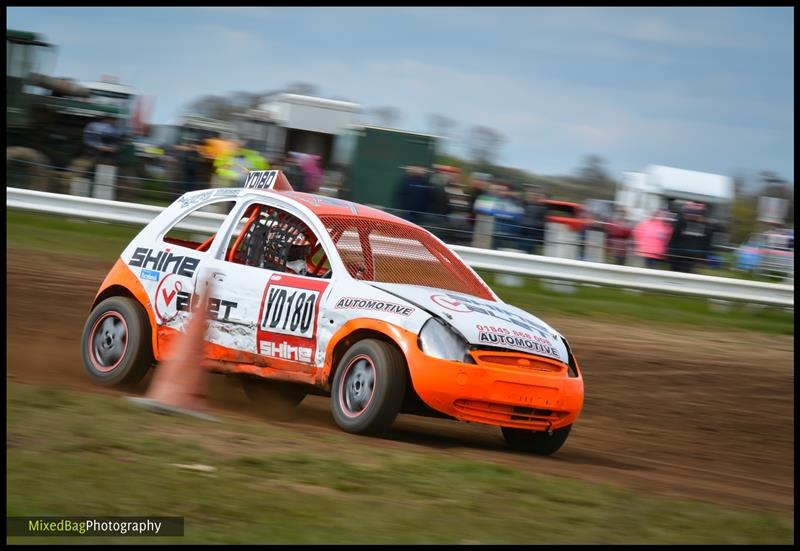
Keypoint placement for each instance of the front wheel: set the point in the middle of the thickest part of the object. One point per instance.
(368, 387)
(540, 443)
(116, 343)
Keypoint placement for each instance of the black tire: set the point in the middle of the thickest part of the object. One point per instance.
(116, 343)
(540, 443)
(368, 387)
(275, 399)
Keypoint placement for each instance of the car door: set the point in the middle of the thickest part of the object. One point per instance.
(171, 259)
(267, 313)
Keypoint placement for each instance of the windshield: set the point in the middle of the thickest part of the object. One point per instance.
(389, 252)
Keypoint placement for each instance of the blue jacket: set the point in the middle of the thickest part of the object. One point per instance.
(412, 196)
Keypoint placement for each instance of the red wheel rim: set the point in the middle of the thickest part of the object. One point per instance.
(108, 341)
(357, 386)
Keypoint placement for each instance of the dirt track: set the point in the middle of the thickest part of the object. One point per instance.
(685, 413)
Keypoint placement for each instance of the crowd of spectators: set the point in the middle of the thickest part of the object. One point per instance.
(679, 238)
(200, 162)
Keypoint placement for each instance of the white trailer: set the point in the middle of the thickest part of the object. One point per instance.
(642, 192)
(307, 124)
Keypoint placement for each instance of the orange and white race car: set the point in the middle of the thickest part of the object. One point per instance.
(312, 294)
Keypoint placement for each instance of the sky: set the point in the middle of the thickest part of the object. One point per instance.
(709, 89)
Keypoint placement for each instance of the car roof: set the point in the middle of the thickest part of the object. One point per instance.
(322, 205)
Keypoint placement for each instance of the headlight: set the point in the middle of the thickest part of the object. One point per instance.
(439, 340)
(573, 365)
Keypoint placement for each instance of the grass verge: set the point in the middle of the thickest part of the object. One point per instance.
(82, 454)
(69, 235)
(541, 298)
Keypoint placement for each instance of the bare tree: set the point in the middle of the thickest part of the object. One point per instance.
(214, 107)
(593, 170)
(243, 101)
(224, 107)
(483, 144)
(303, 89)
(442, 126)
(772, 184)
(386, 116)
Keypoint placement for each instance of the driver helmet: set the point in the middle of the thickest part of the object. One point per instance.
(296, 257)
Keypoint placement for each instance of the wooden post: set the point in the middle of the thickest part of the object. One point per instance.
(105, 186)
(482, 236)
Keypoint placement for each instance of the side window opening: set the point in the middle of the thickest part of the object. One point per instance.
(267, 237)
(350, 246)
(194, 231)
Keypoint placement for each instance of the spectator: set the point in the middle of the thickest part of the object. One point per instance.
(294, 173)
(500, 203)
(690, 242)
(479, 185)
(412, 194)
(313, 172)
(617, 233)
(191, 165)
(507, 217)
(215, 147)
(486, 201)
(437, 207)
(232, 168)
(459, 217)
(533, 221)
(101, 140)
(651, 237)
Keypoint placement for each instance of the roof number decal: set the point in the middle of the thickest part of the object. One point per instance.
(261, 179)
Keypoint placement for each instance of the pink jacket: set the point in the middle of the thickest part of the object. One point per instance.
(314, 174)
(651, 237)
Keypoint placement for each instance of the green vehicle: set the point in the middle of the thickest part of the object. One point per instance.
(375, 160)
(46, 116)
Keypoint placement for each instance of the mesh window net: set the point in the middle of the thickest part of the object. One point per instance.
(388, 252)
(270, 239)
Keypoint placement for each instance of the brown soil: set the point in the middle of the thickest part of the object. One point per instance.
(688, 413)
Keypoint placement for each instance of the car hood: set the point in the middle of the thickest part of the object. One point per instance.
(485, 323)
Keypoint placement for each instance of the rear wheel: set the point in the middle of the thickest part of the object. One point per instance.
(368, 387)
(274, 398)
(116, 345)
(540, 443)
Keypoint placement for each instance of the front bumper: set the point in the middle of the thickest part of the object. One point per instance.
(505, 389)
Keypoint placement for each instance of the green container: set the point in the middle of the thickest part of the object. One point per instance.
(376, 159)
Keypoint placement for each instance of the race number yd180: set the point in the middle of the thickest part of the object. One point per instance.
(290, 311)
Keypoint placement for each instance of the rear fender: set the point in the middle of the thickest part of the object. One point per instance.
(122, 276)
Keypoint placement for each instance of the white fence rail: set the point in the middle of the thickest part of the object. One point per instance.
(496, 261)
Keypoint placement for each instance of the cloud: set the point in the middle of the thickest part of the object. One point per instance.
(558, 121)
(633, 85)
(702, 28)
(231, 37)
(245, 12)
